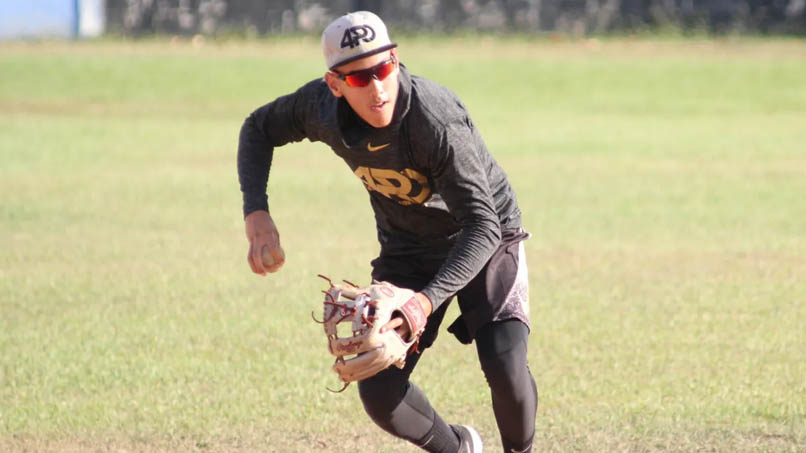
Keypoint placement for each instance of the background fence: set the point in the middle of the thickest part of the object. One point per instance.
(574, 17)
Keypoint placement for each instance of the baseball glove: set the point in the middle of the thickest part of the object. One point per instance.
(367, 351)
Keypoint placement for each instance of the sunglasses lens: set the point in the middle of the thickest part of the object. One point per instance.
(359, 79)
(383, 71)
(363, 77)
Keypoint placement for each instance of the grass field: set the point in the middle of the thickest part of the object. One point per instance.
(664, 183)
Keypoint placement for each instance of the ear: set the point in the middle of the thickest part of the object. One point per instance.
(333, 83)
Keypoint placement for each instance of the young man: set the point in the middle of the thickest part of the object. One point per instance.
(447, 220)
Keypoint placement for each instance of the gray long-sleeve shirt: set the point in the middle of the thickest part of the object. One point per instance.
(434, 187)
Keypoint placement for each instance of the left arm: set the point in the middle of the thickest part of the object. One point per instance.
(459, 168)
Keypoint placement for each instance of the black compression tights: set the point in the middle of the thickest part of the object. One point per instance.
(502, 353)
(401, 408)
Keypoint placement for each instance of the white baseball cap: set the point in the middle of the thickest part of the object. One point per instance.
(353, 36)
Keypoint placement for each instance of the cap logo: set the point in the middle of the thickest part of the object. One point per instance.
(354, 35)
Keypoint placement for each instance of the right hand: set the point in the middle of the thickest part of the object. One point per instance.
(261, 232)
(399, 324)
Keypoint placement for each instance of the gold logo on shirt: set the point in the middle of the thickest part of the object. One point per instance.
(372, 149)
(405, 187)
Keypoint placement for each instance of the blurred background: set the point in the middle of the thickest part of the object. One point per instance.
(657, 147)
(92, 18)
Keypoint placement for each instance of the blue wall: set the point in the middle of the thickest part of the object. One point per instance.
(38, 18)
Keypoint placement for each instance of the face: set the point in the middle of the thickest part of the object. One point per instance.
(375, 102)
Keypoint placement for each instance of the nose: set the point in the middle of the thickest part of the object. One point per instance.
(376, 87)
(376, 83)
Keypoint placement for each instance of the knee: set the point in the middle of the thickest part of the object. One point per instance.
(379, 399)
(502, 349)
(504, 370)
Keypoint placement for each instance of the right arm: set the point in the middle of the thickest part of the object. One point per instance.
(274, 124)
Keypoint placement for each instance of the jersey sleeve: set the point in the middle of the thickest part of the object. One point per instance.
(459, 167)
(284, 120)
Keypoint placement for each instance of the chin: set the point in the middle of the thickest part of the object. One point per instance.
(380, 121)
(381, 124)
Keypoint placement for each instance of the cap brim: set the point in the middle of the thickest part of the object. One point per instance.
(384, 48)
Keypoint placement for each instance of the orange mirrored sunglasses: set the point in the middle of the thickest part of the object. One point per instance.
(363, 77)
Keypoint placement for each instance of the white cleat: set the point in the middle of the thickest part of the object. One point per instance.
(469, 439)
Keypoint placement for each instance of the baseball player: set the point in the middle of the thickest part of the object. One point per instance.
(447, 220)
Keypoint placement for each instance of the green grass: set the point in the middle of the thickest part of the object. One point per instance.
(664, 183)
